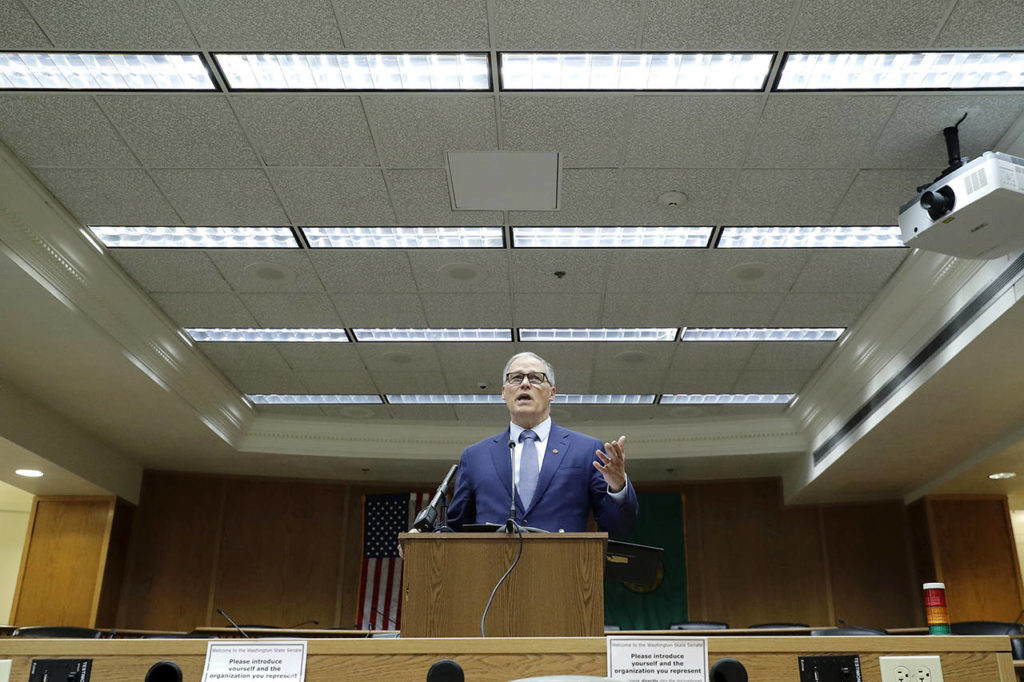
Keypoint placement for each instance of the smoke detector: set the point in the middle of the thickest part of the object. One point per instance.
(673, 199)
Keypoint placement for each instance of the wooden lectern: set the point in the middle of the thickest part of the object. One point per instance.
(557, 590)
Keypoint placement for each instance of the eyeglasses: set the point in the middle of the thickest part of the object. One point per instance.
(536, 378)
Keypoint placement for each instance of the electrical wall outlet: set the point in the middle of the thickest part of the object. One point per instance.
(910, 668)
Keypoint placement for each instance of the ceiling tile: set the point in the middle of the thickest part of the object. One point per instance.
(264, 25)
(870, 25)
(291, 410)
(410, 381)
(362, 271)
(180, 131)
(695, 130)
(414, 131)
(334, 196)
(756, 270)
(875, 196)
(833, 131)
(691, 380)
(587, 198)
(993, 24)
(785, 197)
(292, 310)
(913, 137)
(606, 25)
(292, 130)
(380, 310)
(423, 413)
(656, 270)
(771, 381)
(706, 191)
(749, 309)
(558, 310)
(585, 270)
(184, 270)
(266, 270)
(571, 361)
(357, 412)
(588, 130)
(313, 357)
(476, 362)
(789, 355)
(497, 415)
(849, 270)
(467, 270)
(633, 380)
(327, 380)
(262, 381)
(707, 356)
(109, 196)
(820, 309)
(453, 25)
(744, 410)
(60, 130)
(252, 357)
(467, 309)
(205, 309)
(664, 309)
(618, 359)
(113, 24)
(221, 197)
(420, 197)
(715, 25)
(396, 358)
(19, 31)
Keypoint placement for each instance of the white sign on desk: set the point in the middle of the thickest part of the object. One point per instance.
(658, 659)
(255, 661)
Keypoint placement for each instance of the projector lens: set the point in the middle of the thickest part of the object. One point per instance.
(939, 202)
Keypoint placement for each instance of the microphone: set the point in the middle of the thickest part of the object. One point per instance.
(510, 525)
(426, 520)
(233, 623)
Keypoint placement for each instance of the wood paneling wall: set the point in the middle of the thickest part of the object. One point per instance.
(972, 550)
(71, 566)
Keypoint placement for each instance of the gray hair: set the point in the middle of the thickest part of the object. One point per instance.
(549, 370)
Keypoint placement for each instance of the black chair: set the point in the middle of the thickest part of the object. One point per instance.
(992, 627)
(57, 631)
(847, 632)
(699, 625)
(777, 626)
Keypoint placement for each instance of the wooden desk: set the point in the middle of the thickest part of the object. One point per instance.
(767, 659)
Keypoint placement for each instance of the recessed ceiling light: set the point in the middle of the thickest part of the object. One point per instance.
(634, 71)
(603, 399)
(1002, 475)
(121, 237)
(599, 334)
(356, 71)
(902, 71)
(726, 398)
(29, 473)
(825, 237)
(404, 237)
(763, 334)
(312, 399)
(267, 335)
(445, 399)
(103, 71)
(610, 237)
(417, 335)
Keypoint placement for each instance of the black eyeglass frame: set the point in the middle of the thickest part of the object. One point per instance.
(526, 375)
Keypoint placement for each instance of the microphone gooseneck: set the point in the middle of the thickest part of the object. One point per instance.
(233, 623)
(511, 526)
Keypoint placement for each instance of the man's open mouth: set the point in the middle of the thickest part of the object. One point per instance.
(523, 397)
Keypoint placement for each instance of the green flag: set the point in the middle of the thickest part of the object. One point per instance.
(637, 608)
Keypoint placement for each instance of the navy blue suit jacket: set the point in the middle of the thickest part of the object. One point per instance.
(568, 487)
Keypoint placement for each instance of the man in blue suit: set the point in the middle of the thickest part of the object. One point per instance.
(561, 476)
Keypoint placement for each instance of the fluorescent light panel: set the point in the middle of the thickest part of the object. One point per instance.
(268, 335)
(311, 399)
(726, 398)
(599, 334)
(763, 334)
(634, 71)
(445, 399)
(610, 237)
(356, 71)
(415, 335)
(902, 71)
(121, 237)
(404, 237)
(823, 237)
(602, 399)
(103, 71)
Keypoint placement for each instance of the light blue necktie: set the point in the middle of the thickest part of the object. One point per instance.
(529, 469)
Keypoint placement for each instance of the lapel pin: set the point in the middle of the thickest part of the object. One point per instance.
(554, 452)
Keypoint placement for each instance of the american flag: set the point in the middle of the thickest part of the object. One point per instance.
(384, 517)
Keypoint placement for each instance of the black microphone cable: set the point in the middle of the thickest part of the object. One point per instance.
(495, 590)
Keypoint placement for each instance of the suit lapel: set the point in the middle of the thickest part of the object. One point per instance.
(558, 446)
(501, 458)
